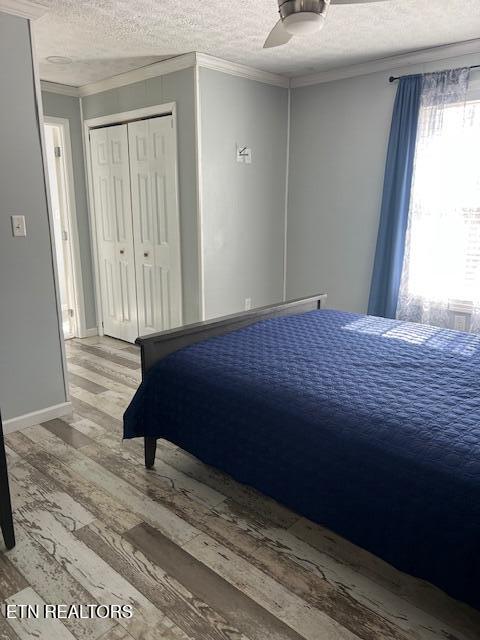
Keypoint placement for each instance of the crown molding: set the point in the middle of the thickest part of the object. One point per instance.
(23, 8)
(62, 89)
(241, 70)
(204, 60)
(434, 54)
(178, 63)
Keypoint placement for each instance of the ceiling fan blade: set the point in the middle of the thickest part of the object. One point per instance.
(277, 36)
(355, 1)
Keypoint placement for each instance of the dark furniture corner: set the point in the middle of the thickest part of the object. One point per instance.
(6, 519)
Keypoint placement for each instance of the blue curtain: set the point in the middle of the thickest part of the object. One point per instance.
(387, 270)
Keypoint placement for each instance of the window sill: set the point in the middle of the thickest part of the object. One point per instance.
(460, 306)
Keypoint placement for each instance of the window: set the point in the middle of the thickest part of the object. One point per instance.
(442, 253)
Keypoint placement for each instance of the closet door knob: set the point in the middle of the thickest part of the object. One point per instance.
(145, 254)
(122, 251)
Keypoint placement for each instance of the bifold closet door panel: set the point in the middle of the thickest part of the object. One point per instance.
(113, 215)
(156, 224)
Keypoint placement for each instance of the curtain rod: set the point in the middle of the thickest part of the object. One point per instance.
(394, 78)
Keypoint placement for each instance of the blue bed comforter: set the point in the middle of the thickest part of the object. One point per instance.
(368, 426)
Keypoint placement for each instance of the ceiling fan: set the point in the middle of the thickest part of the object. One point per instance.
(301, 17)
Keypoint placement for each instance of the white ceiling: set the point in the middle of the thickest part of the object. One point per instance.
(107, 37)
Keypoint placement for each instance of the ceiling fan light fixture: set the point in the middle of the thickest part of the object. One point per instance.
(303, 23)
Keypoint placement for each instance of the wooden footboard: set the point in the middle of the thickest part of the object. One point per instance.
(158, 345)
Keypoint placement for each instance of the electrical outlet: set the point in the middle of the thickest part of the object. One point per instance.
(248, 304)
(19, 228)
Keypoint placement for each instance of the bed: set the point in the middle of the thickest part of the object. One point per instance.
(368, 426)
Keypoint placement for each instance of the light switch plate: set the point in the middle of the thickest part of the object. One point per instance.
(19, 228)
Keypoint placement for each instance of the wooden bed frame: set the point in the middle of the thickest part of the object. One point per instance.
(157, 346)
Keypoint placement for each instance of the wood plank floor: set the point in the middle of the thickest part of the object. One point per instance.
(198, 556)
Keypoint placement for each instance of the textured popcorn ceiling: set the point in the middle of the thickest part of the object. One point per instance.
(107, 37)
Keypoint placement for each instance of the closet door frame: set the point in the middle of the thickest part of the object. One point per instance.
(124, 117)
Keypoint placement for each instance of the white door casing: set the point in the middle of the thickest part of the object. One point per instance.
(61, 228)
(111, 191)
(156, 223)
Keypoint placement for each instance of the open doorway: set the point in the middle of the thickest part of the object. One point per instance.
(62, 197)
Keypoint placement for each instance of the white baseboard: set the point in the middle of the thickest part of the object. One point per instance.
(36, 417)
(89, 333)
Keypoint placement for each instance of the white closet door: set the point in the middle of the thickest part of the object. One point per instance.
(111, 187)
(155, 223)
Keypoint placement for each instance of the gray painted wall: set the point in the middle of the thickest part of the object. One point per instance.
(31, 373)
(243, 205)
(176, 87)
(68, 107)
(339, 136)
